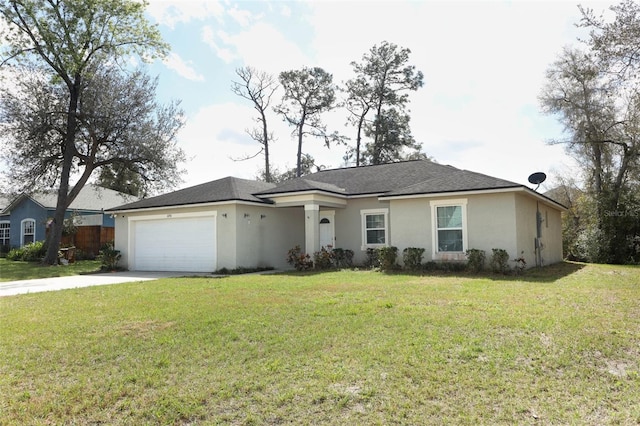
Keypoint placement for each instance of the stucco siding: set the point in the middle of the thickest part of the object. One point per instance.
(551, 228)
(265, 234)
(348, 225)
(490, 224)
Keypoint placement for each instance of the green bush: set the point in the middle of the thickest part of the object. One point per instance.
(373, 258)
(109, 257)
(475, 260)
(388, 256)
(499, 261)
(412, 258)
(29, 253)
(298, 259)
(343, 258)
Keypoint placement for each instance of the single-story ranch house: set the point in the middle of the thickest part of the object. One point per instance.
(232, 222)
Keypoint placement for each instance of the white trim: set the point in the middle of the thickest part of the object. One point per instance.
(306, 192)
(9, 228)
(188, 206)
(311, 207)
(529, 191)
(22, 234)
(363, 227)
(434, 204)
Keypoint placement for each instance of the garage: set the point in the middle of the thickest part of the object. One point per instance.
(182, 244)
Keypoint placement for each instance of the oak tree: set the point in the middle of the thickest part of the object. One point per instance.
(67, 42)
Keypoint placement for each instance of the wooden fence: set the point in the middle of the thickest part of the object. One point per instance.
(89, 239)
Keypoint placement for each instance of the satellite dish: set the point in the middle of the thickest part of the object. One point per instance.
(537, 178)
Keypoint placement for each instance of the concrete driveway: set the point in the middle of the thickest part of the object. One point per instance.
(10, 288)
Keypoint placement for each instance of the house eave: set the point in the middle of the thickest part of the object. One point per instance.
(191, 205)
(475, 192)
(302, 192)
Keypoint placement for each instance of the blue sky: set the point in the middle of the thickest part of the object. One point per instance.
(483, 65)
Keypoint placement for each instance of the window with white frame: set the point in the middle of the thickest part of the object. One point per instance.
(449, 220)
(375, 228)
(28, 231)
(5, 233)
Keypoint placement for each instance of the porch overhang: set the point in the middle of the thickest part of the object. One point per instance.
(301, 199)
(312, 202)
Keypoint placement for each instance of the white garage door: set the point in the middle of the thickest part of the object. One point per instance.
(175, 244)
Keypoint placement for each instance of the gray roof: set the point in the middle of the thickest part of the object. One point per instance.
(403, 178)
(90, 198)
(386, 180)
(225, 189)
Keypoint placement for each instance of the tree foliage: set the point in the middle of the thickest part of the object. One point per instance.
(258, 87)
(596, 98)
(308, 93)
(381, 87)
(66, 44)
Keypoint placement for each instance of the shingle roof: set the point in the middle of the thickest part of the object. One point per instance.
(403, 178)
(90, 198)
(225, 189)
(386, 180)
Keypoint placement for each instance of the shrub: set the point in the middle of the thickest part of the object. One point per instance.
(323, 259)
(298, 259)
(412, 258)
(373, 258)
(343, 258)
(388, 256)
(475, 260)
(499, 261)
(29, 253)
(109, 257)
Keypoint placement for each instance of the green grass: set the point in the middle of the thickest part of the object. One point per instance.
(15, 271)
(558, 346)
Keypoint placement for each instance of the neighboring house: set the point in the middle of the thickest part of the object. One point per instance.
(234, 222)
(23, 220)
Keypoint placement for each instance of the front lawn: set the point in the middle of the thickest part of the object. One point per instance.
(15, 271)
(561, 346)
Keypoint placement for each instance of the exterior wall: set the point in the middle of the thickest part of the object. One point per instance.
(348, 225)
(265, 234)
(526, 226)
(225, 231)
(251, 241)
(27, 209)
(490, 220)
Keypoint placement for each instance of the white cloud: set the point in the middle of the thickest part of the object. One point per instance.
(171, 12)
(261, 46)
(209, 38)
(174, 62)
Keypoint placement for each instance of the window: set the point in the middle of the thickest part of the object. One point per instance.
(5, 228)
(28, 231)
(449, 228)
(449, 222)
(374, 228)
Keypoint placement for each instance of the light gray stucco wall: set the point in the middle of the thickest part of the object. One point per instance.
(490, 223)
(265, 234)
(551, 230)
(348, 225)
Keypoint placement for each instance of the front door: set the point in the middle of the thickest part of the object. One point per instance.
(327, 229)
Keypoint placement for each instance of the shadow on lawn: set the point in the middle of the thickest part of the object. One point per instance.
(545, 274)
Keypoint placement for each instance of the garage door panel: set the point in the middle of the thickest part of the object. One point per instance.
(176, 244)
